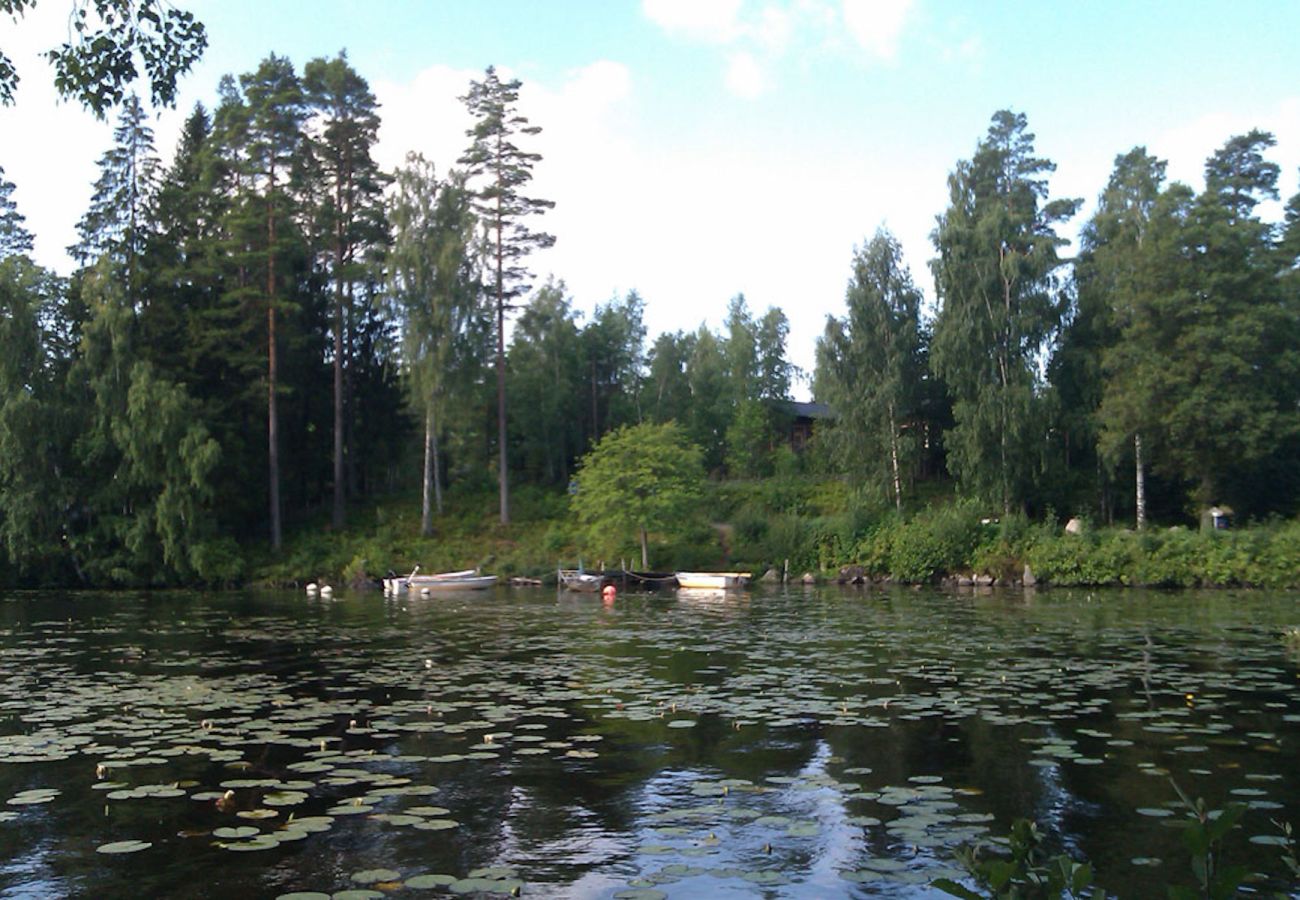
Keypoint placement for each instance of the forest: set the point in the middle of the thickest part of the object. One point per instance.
(268, 333)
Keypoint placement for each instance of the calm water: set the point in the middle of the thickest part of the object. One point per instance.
(811, 744)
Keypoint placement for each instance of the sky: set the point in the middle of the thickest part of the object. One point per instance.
(699, 149)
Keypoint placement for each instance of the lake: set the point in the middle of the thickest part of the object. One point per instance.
(789, 742)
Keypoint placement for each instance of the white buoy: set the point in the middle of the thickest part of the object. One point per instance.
(312, 589)
(326, 591)
(425, 592)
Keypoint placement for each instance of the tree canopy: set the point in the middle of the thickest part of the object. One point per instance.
(111, 42)
(637, 480)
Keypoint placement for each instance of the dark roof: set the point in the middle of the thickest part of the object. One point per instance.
(808, 410)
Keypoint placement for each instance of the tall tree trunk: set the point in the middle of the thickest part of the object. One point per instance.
(645, 551)
(338, 514)
(1140, 482)
(272, 362)
(437, 469)
(426, 510)
(893, 459)
(503, 456)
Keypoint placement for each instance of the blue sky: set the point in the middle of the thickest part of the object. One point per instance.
(701, 148)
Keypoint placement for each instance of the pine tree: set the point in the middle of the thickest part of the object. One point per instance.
(275, 119)
(1205, 366)
(346, 127)
(503, 170)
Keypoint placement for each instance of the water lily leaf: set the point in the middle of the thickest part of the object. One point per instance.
(373, 876)
(484, 885)
(241, 831)
(436, 824)
(428, 882)
(124, 847)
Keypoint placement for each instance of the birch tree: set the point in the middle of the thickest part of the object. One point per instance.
(999, 308)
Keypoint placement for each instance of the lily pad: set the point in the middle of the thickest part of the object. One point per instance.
(236, 833)
(115, 847)
(374, 876)
(428, 882)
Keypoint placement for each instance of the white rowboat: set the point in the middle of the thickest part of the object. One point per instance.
(713, 580)
(464, 580)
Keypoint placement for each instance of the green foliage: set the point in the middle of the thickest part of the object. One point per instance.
(1203, 834)
(140, 401)
(1025, 871)
(14, 236)
(1262, 556)
(1204, 364)
(33, 430)
(545, 380)
(113, 39)
(869, 368)
(499, 170)
(996, 280)
(638, 479)
(939, 541)
(432, 280)
(1289, 857)
(749, 441)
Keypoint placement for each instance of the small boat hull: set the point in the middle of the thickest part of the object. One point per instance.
(467, 580)
(715, 581)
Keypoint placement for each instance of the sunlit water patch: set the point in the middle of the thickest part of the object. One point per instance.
(815, 743)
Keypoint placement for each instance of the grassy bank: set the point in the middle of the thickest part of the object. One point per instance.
(814, 524)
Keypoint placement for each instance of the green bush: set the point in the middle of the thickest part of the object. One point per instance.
(938, 541)
(750, 526)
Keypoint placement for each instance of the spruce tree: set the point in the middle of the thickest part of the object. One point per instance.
(502, 170)
(119, 219)
(14, 236)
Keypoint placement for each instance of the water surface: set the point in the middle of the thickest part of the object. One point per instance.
(805, 743)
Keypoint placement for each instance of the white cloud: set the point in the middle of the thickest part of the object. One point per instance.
(745, 76)
(714, 21)
(424, 115)
(877, 25)
(774, 29)
(969, 50)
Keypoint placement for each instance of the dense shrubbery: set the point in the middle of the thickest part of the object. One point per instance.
(814, 524)
(1261, 556)
(956, 538)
